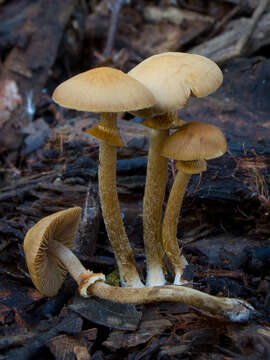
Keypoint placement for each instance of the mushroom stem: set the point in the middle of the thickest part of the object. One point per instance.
(67, 258)
(170, 222)
(84, 278)
(218, 307)
(111, 210)
(156, 179)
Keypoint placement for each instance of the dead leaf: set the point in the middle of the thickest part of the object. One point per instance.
(65, 347)
(147, 330)
(113, 315)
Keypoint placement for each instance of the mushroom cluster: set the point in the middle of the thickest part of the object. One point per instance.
(154, 89)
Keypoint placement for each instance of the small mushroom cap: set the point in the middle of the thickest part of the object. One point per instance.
(46, 271)
(195, 141)
(191, 167)
(172, 77)
(103, 89)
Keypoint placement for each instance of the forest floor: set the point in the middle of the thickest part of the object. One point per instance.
(49, 163)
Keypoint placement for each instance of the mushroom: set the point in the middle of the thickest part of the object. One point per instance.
(191, 145)
(172, 78)
(47, 247)
(108, 91)
(234, 310)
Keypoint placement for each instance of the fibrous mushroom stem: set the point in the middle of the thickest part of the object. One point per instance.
(67, 258)
(83, 277)
(156, 179)
(112, 213)
(170, 222)
(108, 120)
(219, 307)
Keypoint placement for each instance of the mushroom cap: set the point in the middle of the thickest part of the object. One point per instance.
(46, 271)
(103, 89)
(195, 141)
(173, 77)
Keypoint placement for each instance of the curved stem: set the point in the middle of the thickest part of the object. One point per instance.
(67, 258)
(218, 307)
(93, 284)
(112, 214)
(170, 222)
(84, 278)
(156, 179)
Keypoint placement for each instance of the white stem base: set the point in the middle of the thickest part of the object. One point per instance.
(178, 280)
(155, 276)
(137, 283)
(179, 272)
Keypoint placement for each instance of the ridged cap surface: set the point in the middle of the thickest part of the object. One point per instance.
(103, 89)
(192, 166)
(164, 122)
(172, 77)
(110, 135)
(46, 271)
(195, 141)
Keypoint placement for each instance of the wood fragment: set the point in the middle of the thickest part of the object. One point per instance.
(173, 15)
(242, 42)
(222, 47)
(221, 24)
(32, 58)
(249, 5)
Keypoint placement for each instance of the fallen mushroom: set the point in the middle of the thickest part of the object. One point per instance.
(47, 247)
(222, 308)
(191, 145)
(108, 91)
(172, 78)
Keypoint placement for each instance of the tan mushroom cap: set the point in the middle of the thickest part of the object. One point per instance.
(46, 271)
(173, 77)
(103, 89)
(195, 141)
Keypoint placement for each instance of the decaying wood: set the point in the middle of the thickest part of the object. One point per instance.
(29, 61)
(161, 29)
(221, 24)
(174, 15)
(222, 47)
(242, 42)
(247, 4)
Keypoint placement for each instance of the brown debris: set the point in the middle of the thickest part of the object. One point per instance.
(230, 43)
(147, 330)
(33, 57)
(66, 347)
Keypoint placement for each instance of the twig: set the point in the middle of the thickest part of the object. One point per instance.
(116, 7)
(242, 42)
(220, 25)
(240, 46)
